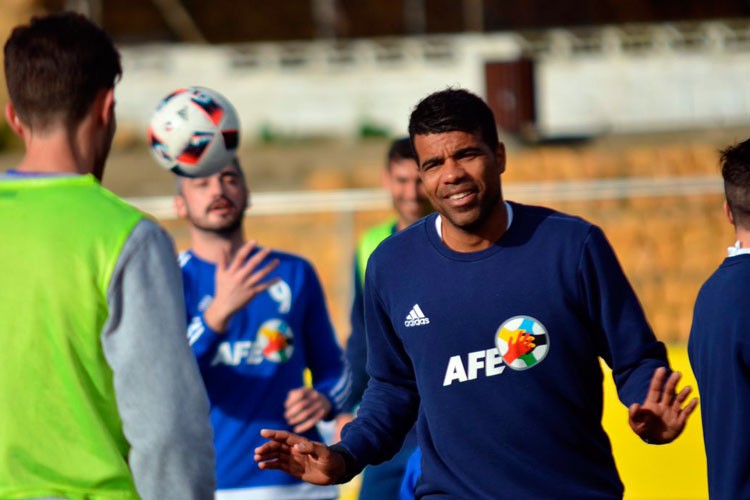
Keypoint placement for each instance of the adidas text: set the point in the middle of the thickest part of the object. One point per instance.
(416, 317)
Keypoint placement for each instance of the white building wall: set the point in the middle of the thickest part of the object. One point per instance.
(316, 97)
(605, 83)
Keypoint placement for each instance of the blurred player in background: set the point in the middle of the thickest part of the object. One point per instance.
(719, 344)
(401, 180)
(485, 324)
(257, 320)
(100, 393)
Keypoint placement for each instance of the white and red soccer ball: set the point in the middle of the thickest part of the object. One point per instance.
(194, 132)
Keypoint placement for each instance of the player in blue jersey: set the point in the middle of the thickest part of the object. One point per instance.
(257, 320)
(485, 324)
(719, 345)
(401, 180)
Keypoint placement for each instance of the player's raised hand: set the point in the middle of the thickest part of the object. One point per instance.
(661, 417)
(307, 460)
(238, 282)
(304, 407)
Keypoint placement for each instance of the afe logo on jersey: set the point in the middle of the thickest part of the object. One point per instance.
(276, 340)
(522, 341)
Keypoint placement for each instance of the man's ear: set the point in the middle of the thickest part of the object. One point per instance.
(500, 156)
(13, 119)
(179, 206)
(728, 213)
(107, 110)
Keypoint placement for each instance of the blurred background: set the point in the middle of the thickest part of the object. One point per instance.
(610, 109)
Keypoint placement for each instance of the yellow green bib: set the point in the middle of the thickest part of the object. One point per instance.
(369, 242)
(60, 431)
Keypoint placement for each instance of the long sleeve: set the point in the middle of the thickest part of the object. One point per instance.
(202, 339)
(626, 341)
(391, 401)
(160, 395)
(356, 346)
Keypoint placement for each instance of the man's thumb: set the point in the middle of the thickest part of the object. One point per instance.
(305, 447)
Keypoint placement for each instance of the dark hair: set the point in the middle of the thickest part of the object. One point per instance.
(56, 65)
(454, 110)
(400, 149)
(735, 169)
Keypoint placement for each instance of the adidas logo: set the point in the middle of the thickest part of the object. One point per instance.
(416, 317)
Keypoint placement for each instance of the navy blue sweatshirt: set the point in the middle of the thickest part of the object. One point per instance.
(497, 354)
(719, 351)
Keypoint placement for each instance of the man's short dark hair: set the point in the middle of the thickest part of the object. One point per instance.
(56, 65)
(454, 110)
(735, 169)
(400, 149)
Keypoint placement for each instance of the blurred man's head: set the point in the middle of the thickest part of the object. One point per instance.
(401, 179)
(735, 169)
(55, 66)
(61, 70)
(214, 204)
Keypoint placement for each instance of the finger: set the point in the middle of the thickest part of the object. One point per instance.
(248, 265)
(302, 409)
(633, 410)
(300, 413)
(261, 455)
(262, 287)
(671, 386)
(688, 410)
(655, 387)
(305, 448)
(273, 448)
(258, 276)
(682, 397)
(241, 256)
(295, 395)
(284, 437)
(310, 422)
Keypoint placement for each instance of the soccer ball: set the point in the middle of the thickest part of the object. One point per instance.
(194, 132)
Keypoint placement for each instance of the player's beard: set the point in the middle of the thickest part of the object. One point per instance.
(224, 228)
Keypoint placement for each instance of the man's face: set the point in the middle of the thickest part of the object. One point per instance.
(409, 199)
(461, 176)
(215, 203)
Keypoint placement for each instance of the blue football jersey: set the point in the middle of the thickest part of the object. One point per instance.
(250, 368)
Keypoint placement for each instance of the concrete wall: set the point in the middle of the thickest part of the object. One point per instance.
(314, 88)
(586, 83)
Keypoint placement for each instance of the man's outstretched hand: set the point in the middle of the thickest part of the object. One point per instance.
(307, 460)
(661, 417)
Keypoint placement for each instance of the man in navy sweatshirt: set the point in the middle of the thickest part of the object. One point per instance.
(719, 345)
(485, 324)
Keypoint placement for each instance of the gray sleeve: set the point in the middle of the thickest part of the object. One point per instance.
(160, 394)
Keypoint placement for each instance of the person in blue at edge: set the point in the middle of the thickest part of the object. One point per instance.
(411, 476)
(719, 344)
(257, 320)
(485, 324)
(401, 180)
